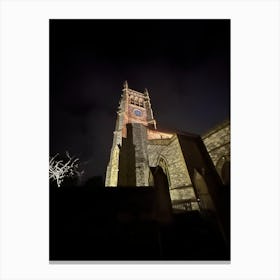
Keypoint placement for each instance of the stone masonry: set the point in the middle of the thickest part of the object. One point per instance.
(167, 154)
(138, 147)
(217, 142)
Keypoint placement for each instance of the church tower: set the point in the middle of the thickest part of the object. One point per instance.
(133, 116)
(139, 148)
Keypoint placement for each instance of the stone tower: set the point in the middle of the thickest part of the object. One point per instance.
(133, 116)
(138, 146)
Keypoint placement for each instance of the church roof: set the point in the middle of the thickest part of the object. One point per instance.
(176, 131)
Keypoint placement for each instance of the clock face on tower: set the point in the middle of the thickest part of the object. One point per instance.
(137, 112)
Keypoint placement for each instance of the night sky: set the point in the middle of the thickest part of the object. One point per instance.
(184, 64)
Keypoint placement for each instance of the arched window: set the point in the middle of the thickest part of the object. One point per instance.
(223, 169)
(163, 164)
(141, 104)
(136, 101)
(131, 100)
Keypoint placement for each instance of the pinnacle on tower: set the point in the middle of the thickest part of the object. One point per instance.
(146, 92)
(125, 85)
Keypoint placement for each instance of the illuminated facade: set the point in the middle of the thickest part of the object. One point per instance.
(135, 109)
(138, 147)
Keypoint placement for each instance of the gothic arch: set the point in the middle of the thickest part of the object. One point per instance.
(132, 101)
(163, 199)
(162, 162)
(223, 168)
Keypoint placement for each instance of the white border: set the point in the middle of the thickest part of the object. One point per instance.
(255, 138)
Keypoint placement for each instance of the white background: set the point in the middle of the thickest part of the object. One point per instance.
(254, 127)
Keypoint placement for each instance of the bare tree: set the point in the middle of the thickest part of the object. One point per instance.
(59, 170)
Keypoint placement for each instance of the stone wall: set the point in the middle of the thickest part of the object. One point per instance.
(141, 157)
(167, 154)
(113, 168)
(217, 142)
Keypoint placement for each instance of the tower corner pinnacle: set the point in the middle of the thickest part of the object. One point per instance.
(125, 85)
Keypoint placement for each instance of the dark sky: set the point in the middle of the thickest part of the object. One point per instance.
(185, 65)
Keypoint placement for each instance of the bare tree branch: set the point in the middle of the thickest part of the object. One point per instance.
(59, 170)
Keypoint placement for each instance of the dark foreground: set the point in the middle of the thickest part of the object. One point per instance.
(124, 224)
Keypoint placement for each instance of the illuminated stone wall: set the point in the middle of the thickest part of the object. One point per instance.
(217, 142)
(113, 169)
(138, 145)
(129, 153)
(167, 153)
